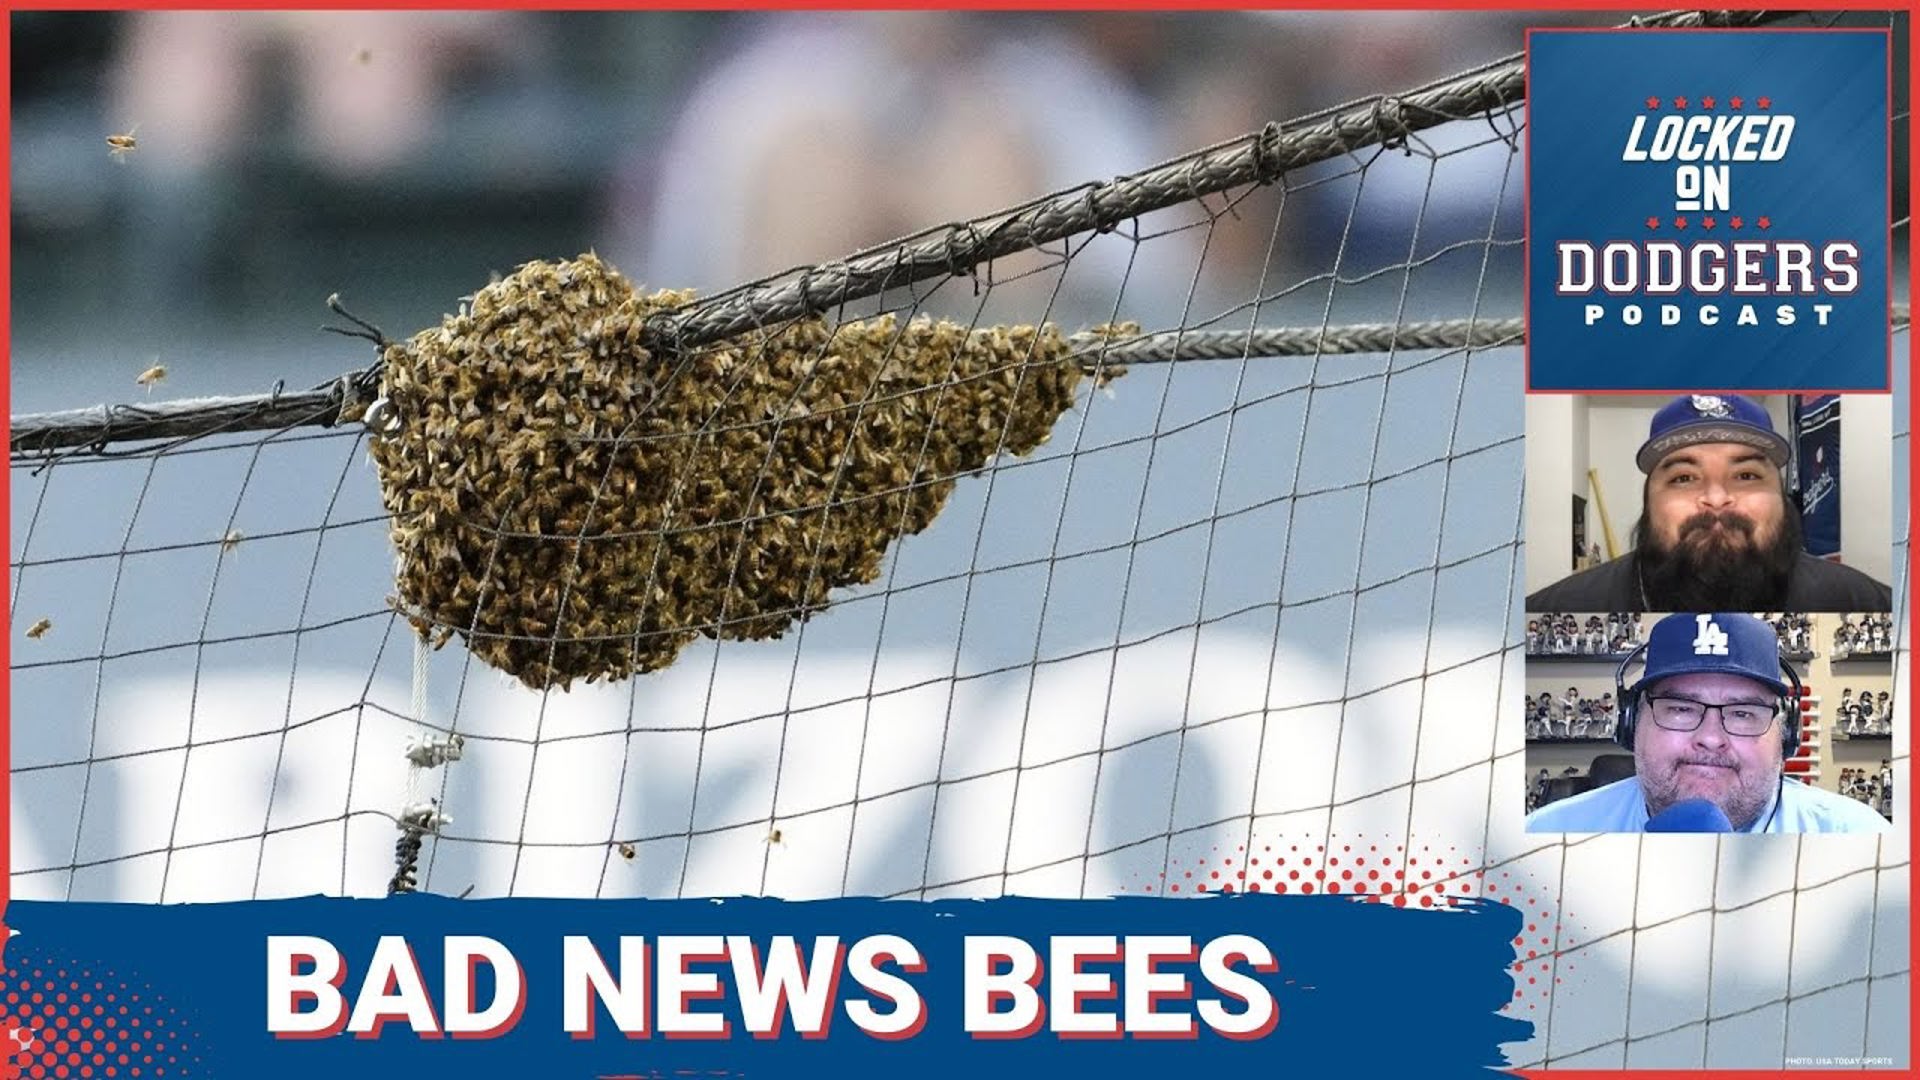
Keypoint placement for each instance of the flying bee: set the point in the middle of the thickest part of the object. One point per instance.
(626, 850)
(232, 539)
(119, 146)
(152, 377)
(39, 629)
(775, 836)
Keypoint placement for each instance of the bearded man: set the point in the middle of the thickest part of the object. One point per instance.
(1717, 531)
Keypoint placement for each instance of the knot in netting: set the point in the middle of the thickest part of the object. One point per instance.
(575, 507)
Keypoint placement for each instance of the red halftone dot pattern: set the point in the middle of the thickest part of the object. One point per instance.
(1389, 871)
(1380, 871)
(60, 1023)
(1538, 965)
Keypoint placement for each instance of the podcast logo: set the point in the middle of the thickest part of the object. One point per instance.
(1707, 210)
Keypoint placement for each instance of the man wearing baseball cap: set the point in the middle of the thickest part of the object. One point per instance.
(1710, 721)
(1717, 529)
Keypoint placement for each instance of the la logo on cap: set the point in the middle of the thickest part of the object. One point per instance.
(1711, 405)
(1711, 640)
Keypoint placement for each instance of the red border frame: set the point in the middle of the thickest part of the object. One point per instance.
(1905, 823)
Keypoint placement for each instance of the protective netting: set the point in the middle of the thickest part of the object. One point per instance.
(1246, 618)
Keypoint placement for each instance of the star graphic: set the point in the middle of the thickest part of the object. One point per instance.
(1679, 223)
(1765, 222)
(1765, 102)
(1735, 222)
(1653, 223)
(1706, 223)
(1707, 102)
(1680, 102)
(1653, 103)
(1736, 102)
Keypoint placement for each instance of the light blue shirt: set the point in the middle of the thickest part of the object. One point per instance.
(1621, 807)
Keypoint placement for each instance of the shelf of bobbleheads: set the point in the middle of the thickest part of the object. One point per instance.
(1854, 681)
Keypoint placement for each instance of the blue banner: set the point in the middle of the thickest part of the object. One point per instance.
(430, 986)
(1817, 435)
(1707, 210)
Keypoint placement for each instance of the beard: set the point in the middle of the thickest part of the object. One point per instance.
(1739, 794)
(1715, 564)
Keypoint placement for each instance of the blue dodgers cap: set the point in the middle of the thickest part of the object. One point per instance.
(1729, 643)
(1710, 418)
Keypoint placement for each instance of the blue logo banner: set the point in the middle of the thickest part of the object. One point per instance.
(1817, 433)
(429, 986)
(1707, 210)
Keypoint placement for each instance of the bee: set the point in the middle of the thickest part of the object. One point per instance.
(626, 850)
(119, 146)
(232, 539)
(39, 629)
(152, 377)
(776, 837)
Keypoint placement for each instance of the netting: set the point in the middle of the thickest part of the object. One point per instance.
(1247, 619)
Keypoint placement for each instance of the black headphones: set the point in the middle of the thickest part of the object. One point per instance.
(1789, 706)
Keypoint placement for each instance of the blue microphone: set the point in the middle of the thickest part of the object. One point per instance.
(1690, 815)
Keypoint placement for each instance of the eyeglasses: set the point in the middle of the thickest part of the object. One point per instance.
(1685, 714)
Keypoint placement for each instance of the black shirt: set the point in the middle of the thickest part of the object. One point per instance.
(1814, 585)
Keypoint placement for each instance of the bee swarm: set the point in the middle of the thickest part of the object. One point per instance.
(576, 507)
